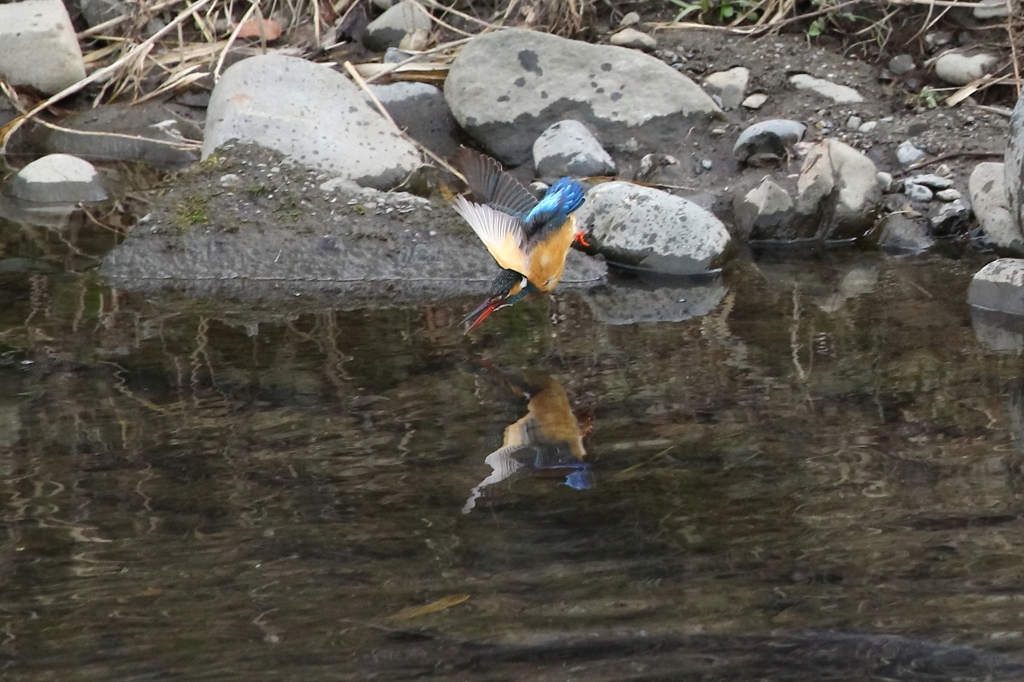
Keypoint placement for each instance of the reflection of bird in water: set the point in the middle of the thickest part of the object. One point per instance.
(528, 239)
(548, 441)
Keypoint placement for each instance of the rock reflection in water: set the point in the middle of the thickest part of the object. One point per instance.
(547, 441)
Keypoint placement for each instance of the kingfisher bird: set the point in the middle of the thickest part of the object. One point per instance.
(529, 239)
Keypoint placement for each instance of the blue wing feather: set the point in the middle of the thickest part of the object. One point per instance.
(551, 212)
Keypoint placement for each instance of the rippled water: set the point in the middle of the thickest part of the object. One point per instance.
(819, 479)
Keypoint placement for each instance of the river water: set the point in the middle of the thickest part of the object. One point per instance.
(820, 478)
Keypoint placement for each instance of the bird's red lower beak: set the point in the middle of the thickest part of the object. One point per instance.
(480, 314)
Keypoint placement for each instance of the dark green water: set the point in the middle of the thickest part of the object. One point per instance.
(829, 458)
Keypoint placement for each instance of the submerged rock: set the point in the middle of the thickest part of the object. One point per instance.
(312, 114)
(763, 211)
(655, 300)
(646, 228)
(506, 88)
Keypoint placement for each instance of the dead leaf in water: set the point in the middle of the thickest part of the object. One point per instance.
(439, 605)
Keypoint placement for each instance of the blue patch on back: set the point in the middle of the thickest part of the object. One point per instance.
(561, 199)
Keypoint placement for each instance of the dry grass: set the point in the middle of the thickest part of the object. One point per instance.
(128, 63)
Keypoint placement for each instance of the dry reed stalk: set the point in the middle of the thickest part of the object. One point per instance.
(144, 47)
(1013, 47)
(231, 39)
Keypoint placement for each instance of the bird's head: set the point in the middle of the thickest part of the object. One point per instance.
(507, 289)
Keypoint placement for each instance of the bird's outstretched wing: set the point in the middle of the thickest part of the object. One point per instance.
(490, 185)
(500, 232)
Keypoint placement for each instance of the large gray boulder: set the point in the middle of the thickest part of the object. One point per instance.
(313, 115)
(38, 46)
(507, 87)
(1013, 167)
(652, 230)
(422, 112)
(987, 187)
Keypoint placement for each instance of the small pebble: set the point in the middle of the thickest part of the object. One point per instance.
(706, 164)
(630, 19)
(907, 153)
(884, 181)
(854, 123)
(867, 127)
(948, 194)
(755, 101)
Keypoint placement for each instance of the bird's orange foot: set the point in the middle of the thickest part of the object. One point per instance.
(580, 239)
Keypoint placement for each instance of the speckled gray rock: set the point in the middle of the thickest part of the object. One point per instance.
(999, 286)
(652, 230)
(632, 38)
(917, 192)
(389, 28)
(569, 148)
(149, 132)
(38, 46)
(421, 111)
(1013, 168)
(57, 178)
(960, 69)
(768, 142)
(840, 94)
(838, 195)
(505, 88)
(730, 86)
(762, 211)
(312, 114)
(655, 301)
(987, 189)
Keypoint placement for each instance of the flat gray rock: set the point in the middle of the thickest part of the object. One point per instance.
(505, 88)
(648, 229)
(655, 301)
(148, 132)
(840, 94)
(999, 286)
(38, 46)
(59, 179)
(569, 148)
(313, 115)
(1013, 168)
(253, 226)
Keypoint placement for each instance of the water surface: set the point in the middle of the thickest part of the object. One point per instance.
(819, 479)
